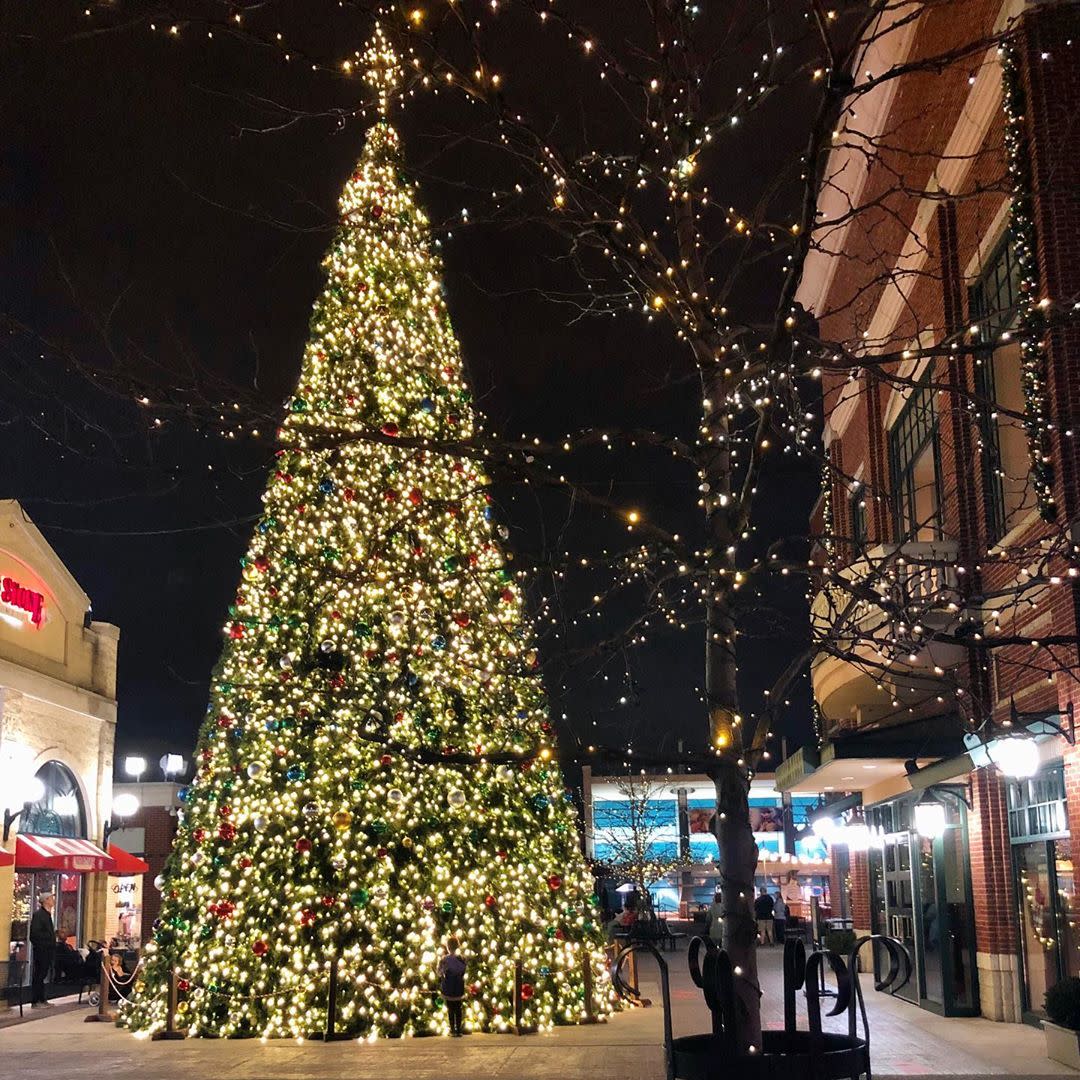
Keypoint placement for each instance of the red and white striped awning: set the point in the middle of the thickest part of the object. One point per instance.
(60, 853)
(6, 858)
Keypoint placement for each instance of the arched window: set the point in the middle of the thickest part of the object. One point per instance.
(59, 811)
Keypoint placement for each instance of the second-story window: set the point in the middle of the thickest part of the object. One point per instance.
(914, 464)
(857, 516)
(993, 299)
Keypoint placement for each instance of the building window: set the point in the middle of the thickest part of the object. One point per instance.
(993, 301)
(1045, 887)
(1037, 806)
(857, 512)
(59, 811)
(913, 458)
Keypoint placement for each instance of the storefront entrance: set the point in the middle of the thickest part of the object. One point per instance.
(920, 893)
(1045, 890)
(67, 914)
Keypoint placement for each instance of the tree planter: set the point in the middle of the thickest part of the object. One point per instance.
(795, 1055)
(1062, 1044)
(789, 1054)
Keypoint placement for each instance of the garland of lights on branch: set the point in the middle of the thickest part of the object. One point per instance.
(1033, 306)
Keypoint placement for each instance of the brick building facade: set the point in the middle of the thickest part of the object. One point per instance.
(149, 833)
(951, 170)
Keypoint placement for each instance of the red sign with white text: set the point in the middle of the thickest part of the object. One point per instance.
(17, 596)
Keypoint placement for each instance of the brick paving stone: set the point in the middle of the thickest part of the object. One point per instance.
(906, 1041)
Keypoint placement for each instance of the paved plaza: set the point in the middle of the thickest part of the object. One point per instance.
(906, 1042)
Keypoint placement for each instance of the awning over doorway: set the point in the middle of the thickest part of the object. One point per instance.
(6, 858)
(60, 853)
(127, 865)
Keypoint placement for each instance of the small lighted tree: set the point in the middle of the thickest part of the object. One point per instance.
(635, 838)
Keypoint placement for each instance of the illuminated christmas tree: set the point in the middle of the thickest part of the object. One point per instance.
(376, 771)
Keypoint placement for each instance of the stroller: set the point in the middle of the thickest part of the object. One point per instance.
(91, 973)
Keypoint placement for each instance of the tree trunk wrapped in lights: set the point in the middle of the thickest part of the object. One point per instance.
(376, 771)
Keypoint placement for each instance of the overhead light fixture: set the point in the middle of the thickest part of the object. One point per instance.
(1016, 757)
(930, 818)
(825, 827)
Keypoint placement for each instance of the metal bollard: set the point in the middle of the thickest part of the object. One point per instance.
(103, 1015)
(170, 1031)
(518, 980)
(587, 981)
(331, 1034)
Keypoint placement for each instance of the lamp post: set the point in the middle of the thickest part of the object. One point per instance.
(135, 766)
(124, 805)
(171, 765)
(29, 791)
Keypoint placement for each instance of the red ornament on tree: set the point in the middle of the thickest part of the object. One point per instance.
(490, 901)
(260, 948)
(182, 985)
(462, 618)
(554, 882)
(307, 917)
(329, 901)
(227, 831)
(303, 845)
(416, 496)
(236, 631)
(198, 835)
(526, 991)
(391, 430)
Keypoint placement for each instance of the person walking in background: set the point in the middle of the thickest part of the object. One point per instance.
(716, 918)
(764, 907)
(779, 920)
(452, 986)
(43, 944)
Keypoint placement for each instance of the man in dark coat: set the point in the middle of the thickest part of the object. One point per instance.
(43, 946)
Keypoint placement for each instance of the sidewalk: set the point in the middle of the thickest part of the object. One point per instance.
(906, 1041)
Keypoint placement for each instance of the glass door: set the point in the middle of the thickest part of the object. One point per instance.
(1038, 937)
(66, 889)
(930, 961)
(958, 940)
(897, 902)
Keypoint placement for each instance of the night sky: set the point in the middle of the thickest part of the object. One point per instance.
(168, 201)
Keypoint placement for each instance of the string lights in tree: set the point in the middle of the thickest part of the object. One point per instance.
(1033, 324)
(376, 772)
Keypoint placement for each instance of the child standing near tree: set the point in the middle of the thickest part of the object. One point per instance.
(452, 986)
